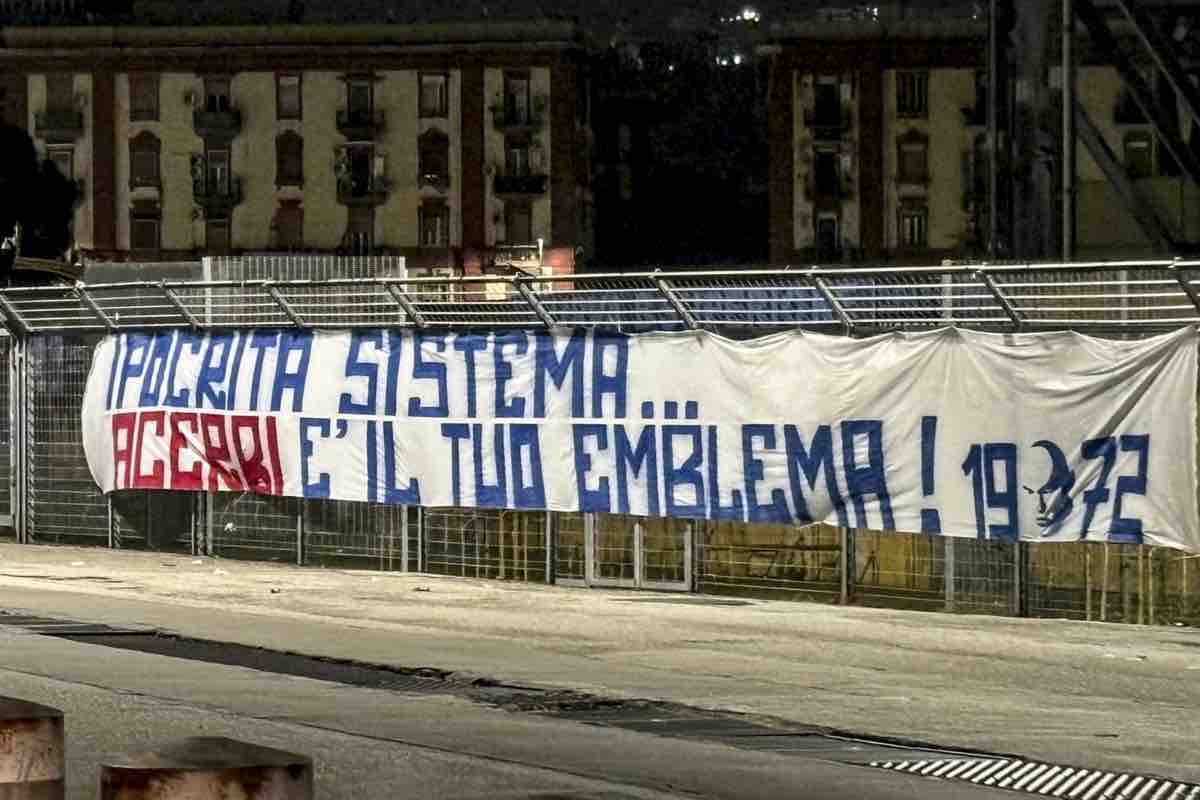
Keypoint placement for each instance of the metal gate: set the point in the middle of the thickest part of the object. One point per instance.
(641, 553)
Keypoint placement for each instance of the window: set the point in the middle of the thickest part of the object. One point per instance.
(143, 160)
(516, 97)
(289, 159)
(435, 224)
(1139, 155)
(143, 233)
(825, 174)
(60, 92)
(434, 159)
(143, 96)
(827, 111)
(914, 225)
(360, 230)
(434, 94)
(64, 159)
(358, 98)
(518, 222)
(912, 94)
(516, 158)
(216, 95)
(913, 158)
(216, 236)
(217, 171)
(289, 226)
(287, 97)
(828, 244)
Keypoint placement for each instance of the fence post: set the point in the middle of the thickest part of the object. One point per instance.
(1018, 593)
(846, 562)
(301, 508)
(948, 572)
(551, 547)
(18, 446)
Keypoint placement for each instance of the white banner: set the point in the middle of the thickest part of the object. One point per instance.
(1042, 437)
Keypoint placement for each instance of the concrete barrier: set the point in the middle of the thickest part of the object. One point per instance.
(208, 769)
(31, 751)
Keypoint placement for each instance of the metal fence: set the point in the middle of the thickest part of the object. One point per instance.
(48, 497)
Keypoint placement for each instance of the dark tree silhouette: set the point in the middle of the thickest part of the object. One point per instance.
(34, 195)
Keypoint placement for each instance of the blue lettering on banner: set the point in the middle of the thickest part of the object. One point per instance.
(715, 509)
(429, 370)
(809, 463)
(321, 487)
(637, 461)
(395, 341)
(155, 373)
(135, 344)
(686, 474)
(777, 510)
(981, 467)
(529, 489)
(372, 462)
(393, 493)
(236, 369)
(112, 369)
(456, 432)
(214, 374)
(868, 479)
(469, 344)
(367, 370)
(598, 499)
(260, 341)
(504, 372)
(548, 364)
(494, 495)
(1129, 529)
(287, 379)
(604, 384)
(181, 397)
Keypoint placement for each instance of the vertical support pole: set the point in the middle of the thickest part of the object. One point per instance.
(300, 532)
(1141, 579)
(1104, 588)
(17, 444)
(109, 513)
(209, 521)
(1150, 586)
(1018, 591)
(589, 548)
(404, 538)
(1126, 594)
(25, 458)
(550, 547)
(948, 572)
(1087, 581)
(993, 98)
(844, 564)
(639, 553)
(1068, 130)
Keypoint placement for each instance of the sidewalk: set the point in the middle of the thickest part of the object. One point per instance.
(1096, 695)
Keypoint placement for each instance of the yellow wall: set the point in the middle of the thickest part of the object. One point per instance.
(81, 227)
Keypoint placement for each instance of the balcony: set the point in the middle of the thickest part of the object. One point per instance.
(434, 180)
(827, 124)
(217, 201)
(511, 119)
(360, 125)
(59, 126)
(364, 192)
(219, 125)
(827, 192)
(1127, 112)
(527, 185)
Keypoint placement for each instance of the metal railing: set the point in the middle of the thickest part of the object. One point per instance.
(1097, 297)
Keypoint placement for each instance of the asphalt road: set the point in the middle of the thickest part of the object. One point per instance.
(1102, 696)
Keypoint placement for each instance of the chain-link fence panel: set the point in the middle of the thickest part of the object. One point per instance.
(899, 570)
(987, 576)
(64, 504)
(254, 527)
(354, 535)
(485, 543)
(570, 547)
(777, 561)
(6, 451)
(155, 521)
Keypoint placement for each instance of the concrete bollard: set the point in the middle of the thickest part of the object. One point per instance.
(31, 751)
(208, 769)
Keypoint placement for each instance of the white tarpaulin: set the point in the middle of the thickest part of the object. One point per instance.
(1039, 436)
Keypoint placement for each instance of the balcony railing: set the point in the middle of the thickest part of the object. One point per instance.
(370, 192)
(520, 184)
(59, 126)
(827, 124)
(216, 199)
(511, 118)
(217, 124)
(360, 125)
(830, 191)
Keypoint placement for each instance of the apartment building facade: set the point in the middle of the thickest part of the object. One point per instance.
(878, 140)
(464, 147)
